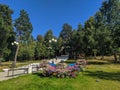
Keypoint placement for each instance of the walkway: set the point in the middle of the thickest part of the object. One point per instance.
(3, 75)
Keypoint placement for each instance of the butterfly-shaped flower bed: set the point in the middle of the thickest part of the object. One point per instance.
(61, 70)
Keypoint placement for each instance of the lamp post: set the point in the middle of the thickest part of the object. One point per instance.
(50, 41)
(16, 53)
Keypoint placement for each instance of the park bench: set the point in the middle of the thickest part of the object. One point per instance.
(12, 70)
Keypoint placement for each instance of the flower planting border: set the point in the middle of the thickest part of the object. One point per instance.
(61, 70)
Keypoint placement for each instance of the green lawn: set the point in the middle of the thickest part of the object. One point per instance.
(99, 75)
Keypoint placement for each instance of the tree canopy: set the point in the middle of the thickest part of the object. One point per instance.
(100, 35)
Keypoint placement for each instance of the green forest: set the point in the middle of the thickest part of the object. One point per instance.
(99, 36)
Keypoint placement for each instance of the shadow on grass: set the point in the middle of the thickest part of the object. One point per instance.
(104, 75)
(96, 63)
(39, 74)
(102, 62)
(70, 61)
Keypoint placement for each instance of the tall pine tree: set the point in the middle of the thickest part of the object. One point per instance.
(24, 29)
(6, 30)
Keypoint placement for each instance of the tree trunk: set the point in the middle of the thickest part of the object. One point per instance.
(94, 55)
(0, 62)
(119, 57)
(102, 56)
(75, 55)
(1, 55)
(115, 57)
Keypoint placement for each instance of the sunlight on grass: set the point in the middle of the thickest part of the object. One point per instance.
(97, 76)
(83, 82)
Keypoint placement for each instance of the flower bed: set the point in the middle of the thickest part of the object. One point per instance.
(61, 70)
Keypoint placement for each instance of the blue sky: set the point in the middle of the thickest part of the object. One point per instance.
(52, 14)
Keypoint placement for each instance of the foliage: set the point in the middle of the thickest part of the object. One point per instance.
(24, 29)
(23, 25)
(66, 33)
(27, 51)
(89, 35)
(40, 49)
(6, 30)
(59, 46)
(50, 44)
(100, 35)
(76, 42)
(110, 12)
(100, 32)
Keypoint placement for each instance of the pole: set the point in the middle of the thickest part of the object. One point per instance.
(16, 53)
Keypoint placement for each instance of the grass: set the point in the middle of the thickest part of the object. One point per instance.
(70, 61)
(99, 75)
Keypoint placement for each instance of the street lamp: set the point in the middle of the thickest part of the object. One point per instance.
(15, 58)
(50, 41)
(15, 43)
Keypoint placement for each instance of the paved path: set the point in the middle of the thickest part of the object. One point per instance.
(3, 75)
